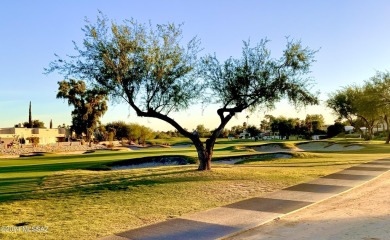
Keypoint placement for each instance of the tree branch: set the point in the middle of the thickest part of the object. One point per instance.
(153, 114)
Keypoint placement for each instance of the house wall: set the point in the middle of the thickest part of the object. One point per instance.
(7, 130)
(7, 135)
(45, 135)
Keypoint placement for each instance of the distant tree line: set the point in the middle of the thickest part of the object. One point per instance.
(365, 105)
(34, 124)
(119, 130)
(313, 124)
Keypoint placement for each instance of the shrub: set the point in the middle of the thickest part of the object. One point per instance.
(162, 135)
(334, 130)
(33, 140)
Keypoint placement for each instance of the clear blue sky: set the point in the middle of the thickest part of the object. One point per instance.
(352, 35)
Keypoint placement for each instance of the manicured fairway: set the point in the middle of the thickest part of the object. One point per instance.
(58, 192)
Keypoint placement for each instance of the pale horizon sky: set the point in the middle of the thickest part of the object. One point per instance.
(352, 38)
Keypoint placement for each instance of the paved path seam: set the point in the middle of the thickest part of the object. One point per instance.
(229, 220)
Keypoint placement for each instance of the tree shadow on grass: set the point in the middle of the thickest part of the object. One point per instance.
(49, 167)
(30, 187)
(17, 188)
(24, 187)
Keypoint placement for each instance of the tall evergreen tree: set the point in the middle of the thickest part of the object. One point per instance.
(30, 116)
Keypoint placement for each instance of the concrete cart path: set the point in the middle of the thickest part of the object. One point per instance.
(363, 213)
(234, 218)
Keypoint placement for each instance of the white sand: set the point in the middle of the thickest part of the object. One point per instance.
(269, 148)
(309, 146)
(325, 146)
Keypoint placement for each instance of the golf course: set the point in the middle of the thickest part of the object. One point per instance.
(95, 194)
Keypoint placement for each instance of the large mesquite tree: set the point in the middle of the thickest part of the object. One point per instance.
(155, 74)
(89, 105)
(341, 102)
(378, 88)
(369, 102)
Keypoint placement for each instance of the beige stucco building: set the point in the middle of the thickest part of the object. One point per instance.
(46, 136)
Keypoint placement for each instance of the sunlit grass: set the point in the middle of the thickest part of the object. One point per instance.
(57, 191)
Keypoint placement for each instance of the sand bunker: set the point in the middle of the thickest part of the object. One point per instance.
(71, 153)
(307, 146)
(181, 146)
(141, 147)
(273, 147)
(149, 162)
(327, 147)
(145, 165)
(121, 149)
(267, 156)
(270, 148)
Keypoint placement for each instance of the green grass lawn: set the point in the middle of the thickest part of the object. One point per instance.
(74, 203)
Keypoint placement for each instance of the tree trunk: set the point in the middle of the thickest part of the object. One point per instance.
(205, 153)
(388, 137)
(387, 129)
(204, 162)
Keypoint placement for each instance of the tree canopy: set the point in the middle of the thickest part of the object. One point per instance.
(128, 131)
(34, 124)
(120, 128)
(282, 125)
(202, 131)
(341, 103)
(367, 103)
(150, 69)
(314, 122)
(89, 105)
